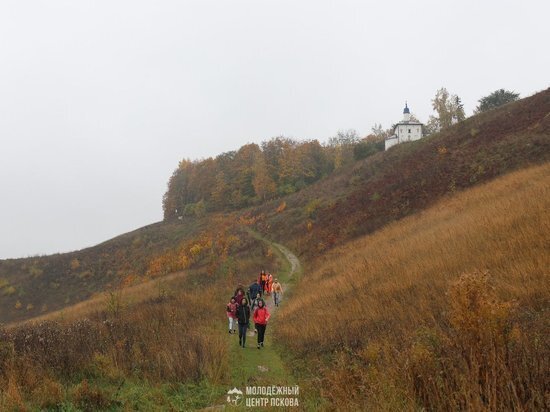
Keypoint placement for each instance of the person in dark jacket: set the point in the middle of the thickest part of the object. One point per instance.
(261, 317)
(253, 290)
(243, 318)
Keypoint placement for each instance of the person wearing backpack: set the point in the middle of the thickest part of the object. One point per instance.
(261, 317)
(243, 319)
(232, 315)
(277, 291)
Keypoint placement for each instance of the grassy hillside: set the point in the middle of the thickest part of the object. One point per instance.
(410, 177)
(51, 282)
(158, 345)
(441, 307)
(353, 200)
(39, 285)
(445, 310)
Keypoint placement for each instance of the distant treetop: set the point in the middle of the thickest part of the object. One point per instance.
(495, 99)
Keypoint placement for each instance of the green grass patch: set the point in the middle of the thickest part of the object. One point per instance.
(251, 366)
(264, 367)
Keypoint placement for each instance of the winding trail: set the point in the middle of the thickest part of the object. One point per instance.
(264, 367)
(291, 257)
(286, 274)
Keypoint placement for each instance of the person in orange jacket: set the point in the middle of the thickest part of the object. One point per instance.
(269, 283)
(261, 317)
(263, 281)
(277, 291)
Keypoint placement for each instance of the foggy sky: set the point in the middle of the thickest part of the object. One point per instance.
(99, 100)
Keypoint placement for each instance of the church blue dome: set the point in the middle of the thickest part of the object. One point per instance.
(406, 109)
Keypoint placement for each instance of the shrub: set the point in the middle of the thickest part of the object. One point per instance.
(91, 397)
(49, 394)
(363, 149)
(9, 291)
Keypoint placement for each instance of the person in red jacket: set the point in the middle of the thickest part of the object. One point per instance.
(239, 295)
(261, 317)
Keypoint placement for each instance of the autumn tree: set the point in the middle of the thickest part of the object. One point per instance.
(263, 183)
(342, 147)
(300, 165)
(274, 150)
(253, 174)
(289, 165)
(243, 191)
(449, 110)
(220, 191)
(315, 163)
(176, 196)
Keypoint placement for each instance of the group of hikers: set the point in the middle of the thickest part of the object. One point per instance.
(243, 304)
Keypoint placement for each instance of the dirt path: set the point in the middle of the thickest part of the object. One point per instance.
(285, 276)
(264, 367)
(291, 257)
(251, 366)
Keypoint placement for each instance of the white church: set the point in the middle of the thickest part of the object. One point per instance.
(405, 131)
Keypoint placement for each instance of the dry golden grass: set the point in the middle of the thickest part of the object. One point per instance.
(156, 341)
(130, 295)
(446, 309)
(167, 331)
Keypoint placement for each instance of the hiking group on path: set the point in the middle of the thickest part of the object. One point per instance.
(244, 304)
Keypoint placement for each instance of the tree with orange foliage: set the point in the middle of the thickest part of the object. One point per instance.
(264, 185)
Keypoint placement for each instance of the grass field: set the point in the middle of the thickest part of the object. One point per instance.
(250, 366)
(443, 310)
(159, 345)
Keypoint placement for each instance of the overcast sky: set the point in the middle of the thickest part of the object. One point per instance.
(99, 100)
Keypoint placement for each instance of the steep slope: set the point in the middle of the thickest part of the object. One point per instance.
(36, 286)
(443, 310)
(50, 282)
(410, 177)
